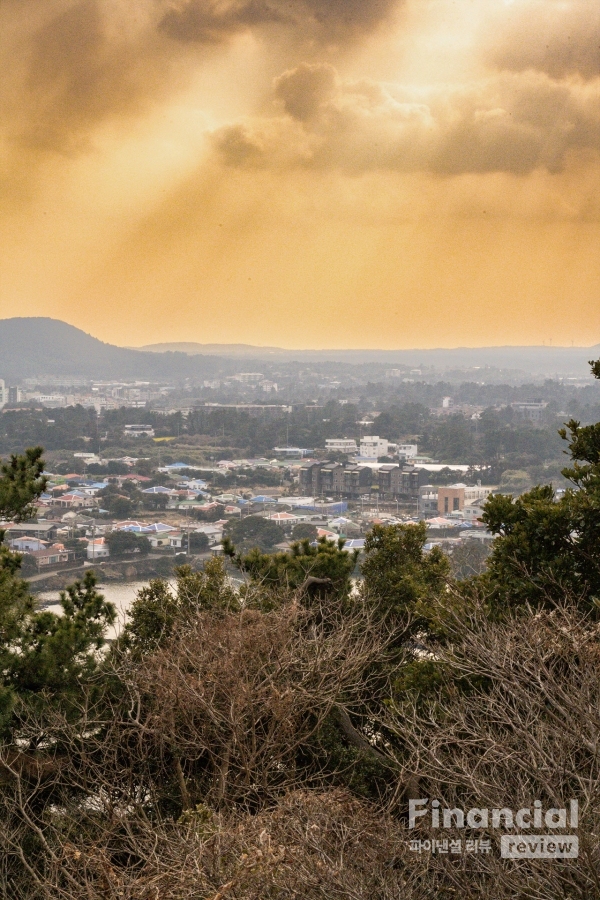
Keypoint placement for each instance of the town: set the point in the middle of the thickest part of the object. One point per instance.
(145, 476)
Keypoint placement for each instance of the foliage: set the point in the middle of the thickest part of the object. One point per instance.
(547, 547)
(198, 542)
(124, 543)
(157, 608)
(255, 531)
(311, 572)
(399, 577)
(469, 558)
(21, 483)
(304, 531)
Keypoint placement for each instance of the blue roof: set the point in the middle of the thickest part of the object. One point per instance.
(262, 498)
(355, 544)
(158, 489)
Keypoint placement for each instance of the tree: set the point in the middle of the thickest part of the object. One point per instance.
(155, 501)
(304, 531)
(44, 658)
(121, 507)
(21, 483)
(198, 542)
(255, 531)
(547, 547)
(311, 573)
(468, 559)
(399, 577)
(125, 543)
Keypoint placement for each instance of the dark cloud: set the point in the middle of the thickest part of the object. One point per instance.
(76, 65)
(511, 123)
(559, 38)
(304, 89)
(210, 21)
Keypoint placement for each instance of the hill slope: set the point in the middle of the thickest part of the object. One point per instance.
(30, 347)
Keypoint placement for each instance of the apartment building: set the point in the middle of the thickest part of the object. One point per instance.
(399, 481)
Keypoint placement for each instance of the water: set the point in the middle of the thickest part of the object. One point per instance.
(121, 594)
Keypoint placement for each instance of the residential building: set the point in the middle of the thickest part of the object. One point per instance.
(75, 500)
(46, 531)
(532, 410)
(372, 447)
(357, 481)
(97, 549)
(332, 479)
(310, 478)
(399, 481)
(51, 556)
(478, 492)
(341, 445)
(451, 498)
(408, 450)
(335, 479)
(27, 544)
(428, 500)
(138, 431)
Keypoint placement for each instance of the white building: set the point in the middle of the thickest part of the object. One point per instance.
(408, 450)
(139, 430)
(341, 445)
(372, 447)
(3, 394)
(97, 549)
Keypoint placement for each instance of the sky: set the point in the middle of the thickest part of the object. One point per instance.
(303, 173)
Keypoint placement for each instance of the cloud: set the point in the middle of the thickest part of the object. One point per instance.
(559, 37)
(303, 90)
(210, 21)
(74, 64)
(506, 123)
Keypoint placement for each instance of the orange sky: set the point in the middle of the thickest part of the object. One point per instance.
(315, 173)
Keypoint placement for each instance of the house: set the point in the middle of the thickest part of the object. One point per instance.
(76, 500)
(97, 549)
(51, 556)
(44, 530)
(159, 489)
(176, 540)
(285, 518)
(213, 532)
(159, 541)
(27, 545)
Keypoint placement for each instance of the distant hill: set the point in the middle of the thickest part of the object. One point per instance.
(530, 360)
(30, 347)
(230, 350)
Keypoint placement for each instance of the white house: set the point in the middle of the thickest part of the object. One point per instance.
(97, 549)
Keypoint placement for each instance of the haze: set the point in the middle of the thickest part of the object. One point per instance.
(322, 173)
